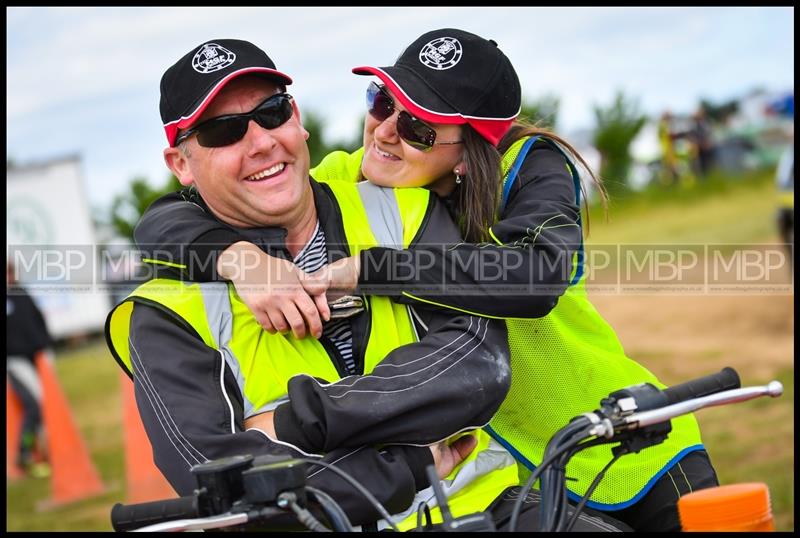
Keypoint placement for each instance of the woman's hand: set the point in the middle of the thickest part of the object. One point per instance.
(273, 291)
(340, 277)
(447, 457)
(263, 422)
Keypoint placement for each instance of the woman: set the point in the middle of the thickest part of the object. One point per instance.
(443, 118)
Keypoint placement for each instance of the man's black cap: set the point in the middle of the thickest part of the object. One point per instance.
(191, 83)
(453, 76)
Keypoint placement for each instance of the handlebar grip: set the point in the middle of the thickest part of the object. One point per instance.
(725, 379)
(125, 517)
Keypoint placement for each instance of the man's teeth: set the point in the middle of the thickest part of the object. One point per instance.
(268, 172)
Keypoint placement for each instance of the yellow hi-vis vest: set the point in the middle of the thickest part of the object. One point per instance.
(263, 363)
(562, 365)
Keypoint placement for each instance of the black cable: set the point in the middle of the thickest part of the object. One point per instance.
(427, 513)
(559, 490)
(552, 481)
(361, 489)
(303, 516)
(569, 429)
(512, 526)
(550, 484)
(563, 499)
(589, 491)
(561, 446)
(441, 498)
(339, 520)
(548, 487)
(555, 501)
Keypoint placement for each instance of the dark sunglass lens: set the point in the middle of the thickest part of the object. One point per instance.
(224, 132)
(274, 113)
(379, 105)
(415, 133)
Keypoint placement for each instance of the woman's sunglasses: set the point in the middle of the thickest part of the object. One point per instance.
(414, 132)
(226, 130)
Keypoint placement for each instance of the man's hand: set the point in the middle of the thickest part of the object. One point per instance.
(272, 290)
(264, 422)
(339, 277)
(447, 457)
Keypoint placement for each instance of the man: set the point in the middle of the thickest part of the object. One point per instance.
(784, 179)
(26, 337)
(201, 363)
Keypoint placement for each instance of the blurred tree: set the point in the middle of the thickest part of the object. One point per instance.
(126, 209)
(542, 112)
(617, 126)
(355, 141)
(719, 113)
(318, 146)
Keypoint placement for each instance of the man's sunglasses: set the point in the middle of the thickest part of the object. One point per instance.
(414, 132)
(226, 130)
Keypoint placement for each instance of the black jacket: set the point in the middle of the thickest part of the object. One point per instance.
(193, 411)
(26, 330)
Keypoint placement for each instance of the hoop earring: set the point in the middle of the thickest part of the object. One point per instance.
(459, 179)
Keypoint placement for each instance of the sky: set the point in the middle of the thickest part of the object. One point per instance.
(85, 81)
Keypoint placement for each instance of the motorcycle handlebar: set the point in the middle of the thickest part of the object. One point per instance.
(714, 389)
(125, 517)
(726, 379)
(662, 414)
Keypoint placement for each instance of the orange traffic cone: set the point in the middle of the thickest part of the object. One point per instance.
(741, 507)
(145, 481)
(74, 477)
(13, 425)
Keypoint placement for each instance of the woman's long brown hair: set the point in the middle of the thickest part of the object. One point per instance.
(478, 196)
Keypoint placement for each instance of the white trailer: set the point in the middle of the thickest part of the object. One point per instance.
(50, 239)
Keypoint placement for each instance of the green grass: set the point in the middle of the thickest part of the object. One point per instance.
(752, 441)
(90, 380)
(717, 211)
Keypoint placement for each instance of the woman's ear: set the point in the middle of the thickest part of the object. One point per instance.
(178, 163)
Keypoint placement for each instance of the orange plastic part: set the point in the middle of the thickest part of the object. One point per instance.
(144, 481)
(74, 476)
(735, 507)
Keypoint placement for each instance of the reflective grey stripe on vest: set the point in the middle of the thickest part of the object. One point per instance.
(383, 214)
(220, 321)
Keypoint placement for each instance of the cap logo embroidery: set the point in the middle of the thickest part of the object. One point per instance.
(212, 57)
(441, 53)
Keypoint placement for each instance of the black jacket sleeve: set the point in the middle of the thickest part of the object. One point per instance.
(178, 229)
(522, 277)
(191, 409)
(452, 380)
